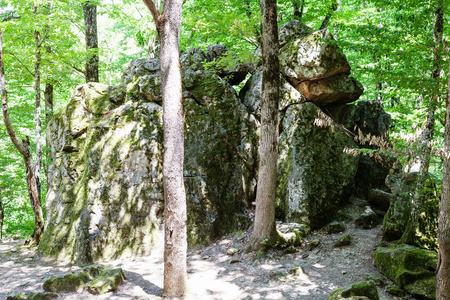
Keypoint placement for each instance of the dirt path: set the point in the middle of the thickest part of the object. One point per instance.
(213, 274)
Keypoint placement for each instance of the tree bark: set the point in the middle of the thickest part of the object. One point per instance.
(24, 149)
(37, 113)
(175, 235)
(154, 43)
(2, 215)
(409, 236)
(90, 22)
(443, 269)
(264, 228)
(334, 7)
(48, 97)
(298, 9)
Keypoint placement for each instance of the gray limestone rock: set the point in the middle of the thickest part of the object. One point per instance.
(411, 268)
(291, 30)
(368, 219)
(312, 57)
(105, 195)
(316, 167)
(250, 95)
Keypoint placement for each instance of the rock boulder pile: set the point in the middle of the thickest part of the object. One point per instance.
(105, 195)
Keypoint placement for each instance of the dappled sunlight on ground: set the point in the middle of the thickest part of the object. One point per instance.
(217, 273)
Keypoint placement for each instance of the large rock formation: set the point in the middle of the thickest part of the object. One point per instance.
(105, 182)
(105, 196)
(317, 166)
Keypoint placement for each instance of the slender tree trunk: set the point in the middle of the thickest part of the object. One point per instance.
(325, 22)
(409, 236)
(298, 9)
(37, 114)
(443, 269)
(264, 227)
(2, 215)
(154, 43)
(90, 22)
(175, 244)
(24, 149)
(48, 97)
(256, 31)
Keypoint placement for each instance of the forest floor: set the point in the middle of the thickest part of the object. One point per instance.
(215, 274)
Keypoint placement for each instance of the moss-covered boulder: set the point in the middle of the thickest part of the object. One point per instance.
(368, 219)
(105, 182)
(316, 167)
(399, 212)
(105, 194)
(344, 240)
(361, 290)
(292, 234)
(250, 95)
(335, 227)
(108, 280)
(27, 295)
(312, 57)
(68, 282)
(411, 268)
(292, 29)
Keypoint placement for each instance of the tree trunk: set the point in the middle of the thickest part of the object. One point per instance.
(2, 215)
(298, 9)
(175, 244)
(334, 7)
(90, 22)
(264, 228)
(24, 149)
(409, 236)
(37, 113)
(154, 43)
(48, 96)
(443, 269)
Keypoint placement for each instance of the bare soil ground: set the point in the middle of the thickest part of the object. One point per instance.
(214, 274)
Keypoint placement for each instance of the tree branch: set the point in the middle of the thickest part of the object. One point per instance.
(3, 93)
(154, 11)
(31, 73)
(334, 7)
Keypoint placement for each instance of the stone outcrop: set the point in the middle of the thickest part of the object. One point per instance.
(105, 196)
(402, 186)
(399, 212)
(314, 65)
(312, 57)
(316, 167)
(411, 268)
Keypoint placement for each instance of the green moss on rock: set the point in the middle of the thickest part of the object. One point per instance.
(67, 282)
(343, 241)
(362, 289)
(27, 295)
(335, 227)
(411, 268)
(108, 280)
